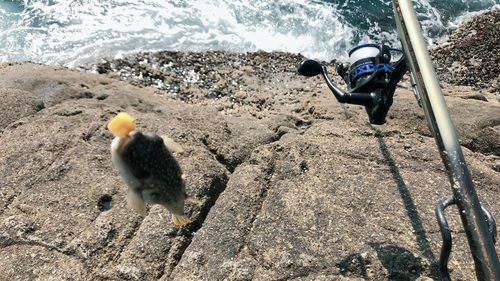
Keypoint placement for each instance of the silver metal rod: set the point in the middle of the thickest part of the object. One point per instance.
(439, 121)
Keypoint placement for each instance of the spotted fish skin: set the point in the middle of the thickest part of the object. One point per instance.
(147, 156)
(152, 174)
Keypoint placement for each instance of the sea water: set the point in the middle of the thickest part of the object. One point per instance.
(76, 33)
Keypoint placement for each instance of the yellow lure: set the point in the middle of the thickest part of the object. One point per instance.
(121, 125)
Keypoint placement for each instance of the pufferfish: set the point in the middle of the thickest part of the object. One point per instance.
(148, 168)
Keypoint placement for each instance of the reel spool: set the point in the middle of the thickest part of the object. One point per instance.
(369, 68)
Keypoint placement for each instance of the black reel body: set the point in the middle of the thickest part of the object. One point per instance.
(371, 79)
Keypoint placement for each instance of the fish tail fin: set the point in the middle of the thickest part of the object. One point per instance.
(180, 220)
(135, 200)
(194, 200)
(171, 144)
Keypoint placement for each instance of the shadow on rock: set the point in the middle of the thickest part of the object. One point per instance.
(399, 262)
(354, 264)
(410, 207)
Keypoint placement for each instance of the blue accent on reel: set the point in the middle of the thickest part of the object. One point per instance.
(362, 70)
(384, 67)
(381, 67)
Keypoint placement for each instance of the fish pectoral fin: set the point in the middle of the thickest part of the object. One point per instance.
(194, 200)
(171, 144)
(135, 200)
(180, 220)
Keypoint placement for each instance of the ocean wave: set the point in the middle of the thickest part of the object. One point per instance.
(81, 32)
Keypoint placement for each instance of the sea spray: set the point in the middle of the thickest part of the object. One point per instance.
(81, 32)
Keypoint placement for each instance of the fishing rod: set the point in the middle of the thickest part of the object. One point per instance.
(481, 240)
(372, 80)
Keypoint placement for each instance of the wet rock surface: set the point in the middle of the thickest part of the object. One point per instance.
(294, 185)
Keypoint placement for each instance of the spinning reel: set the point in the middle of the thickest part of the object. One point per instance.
(371, 79)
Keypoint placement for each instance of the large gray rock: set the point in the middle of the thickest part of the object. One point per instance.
(293, 184)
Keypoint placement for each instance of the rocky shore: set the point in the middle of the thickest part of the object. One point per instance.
(471, 54)
(294, 185)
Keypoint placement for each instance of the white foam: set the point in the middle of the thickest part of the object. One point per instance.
(70, 32)
(76, 32)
